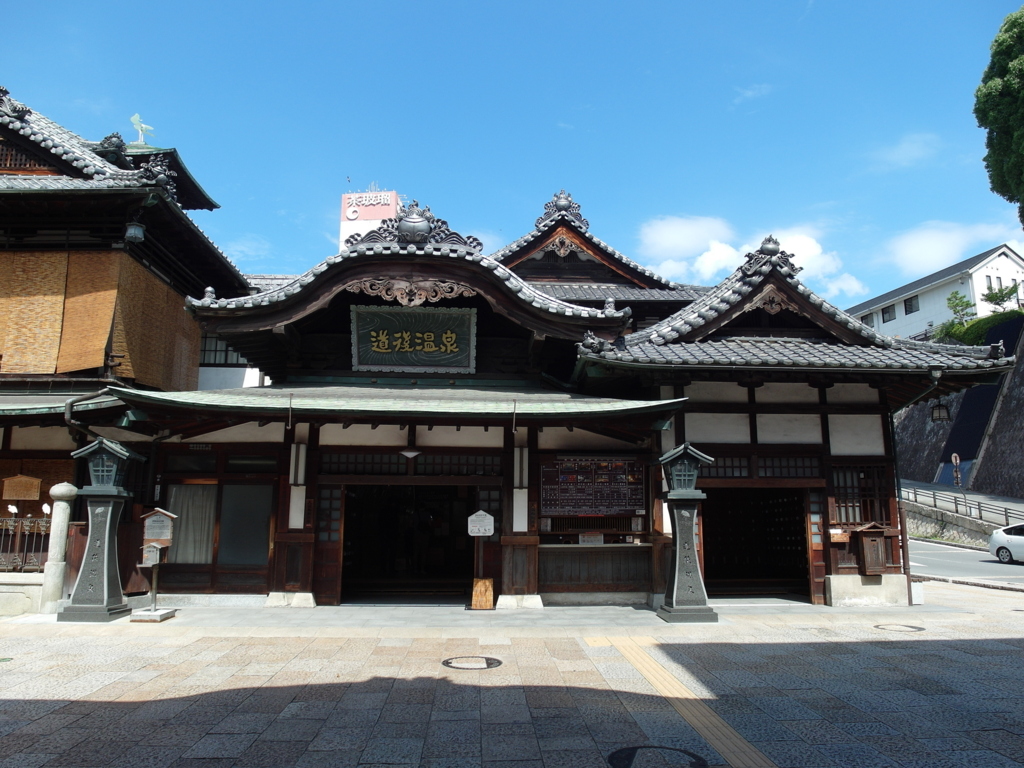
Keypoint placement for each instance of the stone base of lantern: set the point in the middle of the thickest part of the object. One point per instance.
(94, 613)
(688, 614)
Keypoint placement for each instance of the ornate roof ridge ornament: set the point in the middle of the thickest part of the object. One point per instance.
(158, 170)
(11, 108)
(562, 203)
(769, 255)
(414, 224)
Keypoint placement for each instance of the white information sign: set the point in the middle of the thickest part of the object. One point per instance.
(481, 524)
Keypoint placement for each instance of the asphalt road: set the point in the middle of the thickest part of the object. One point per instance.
(928, 559)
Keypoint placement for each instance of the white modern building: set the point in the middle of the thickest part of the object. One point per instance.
(912, 310)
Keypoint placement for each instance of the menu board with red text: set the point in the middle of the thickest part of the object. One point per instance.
(592, 486)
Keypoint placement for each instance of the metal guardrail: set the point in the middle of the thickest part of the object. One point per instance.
(961, 505)
(23, 543)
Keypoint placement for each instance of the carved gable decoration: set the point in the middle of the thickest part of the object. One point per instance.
(772, 301)
(410, 293)
(22, 488)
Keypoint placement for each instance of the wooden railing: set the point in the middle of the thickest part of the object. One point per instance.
(23, 543)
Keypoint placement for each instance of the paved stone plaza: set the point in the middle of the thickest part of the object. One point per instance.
(772, 684)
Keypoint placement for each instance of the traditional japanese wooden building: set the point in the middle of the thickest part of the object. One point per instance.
(417, 380)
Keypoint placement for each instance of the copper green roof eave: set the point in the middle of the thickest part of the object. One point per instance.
(48, 409)
(369, 402)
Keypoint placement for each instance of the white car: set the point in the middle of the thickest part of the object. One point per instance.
(1007, 543)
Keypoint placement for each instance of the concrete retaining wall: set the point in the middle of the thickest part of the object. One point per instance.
(931, 523)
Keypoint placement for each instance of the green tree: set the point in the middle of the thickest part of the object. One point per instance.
(998, 297)
(999, 108)
(963, 311)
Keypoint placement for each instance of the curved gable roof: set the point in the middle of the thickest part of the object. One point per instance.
(685, 338)
(391, 255)
(87, 162)
(561, 210)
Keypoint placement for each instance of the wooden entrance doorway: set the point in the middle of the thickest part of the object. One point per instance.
(755, 541)
(394, 540)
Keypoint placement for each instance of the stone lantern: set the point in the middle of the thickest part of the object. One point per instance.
(97, 594)
(685, 597)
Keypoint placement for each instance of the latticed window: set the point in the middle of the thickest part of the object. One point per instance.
(328, 515)
(14, 158)
(428, 464)
(788, 466)
(362, 464)
(860, 494)
(216, 351)
(727, 466)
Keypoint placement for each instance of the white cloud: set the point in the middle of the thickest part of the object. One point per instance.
(718, 258)
(668, 237)
(912, 149)
(701, 249)
(491, 240)
(933, 245)
(753, 92)
(248, 249)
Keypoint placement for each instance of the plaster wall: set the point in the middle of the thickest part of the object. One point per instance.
(41, 439)
(215, 377)
(561, 439)
(364, 434)
(715, 392)
(798, 428)
(856, 435)
(717, 427)
(772, 392)
(467, 437)
(250, 432)
(852, 393)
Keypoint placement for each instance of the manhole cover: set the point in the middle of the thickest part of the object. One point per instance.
(472, 662)
(898, 628)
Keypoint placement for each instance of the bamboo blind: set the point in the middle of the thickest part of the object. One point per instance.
(88, 310)
(159, 340)
(32, 305)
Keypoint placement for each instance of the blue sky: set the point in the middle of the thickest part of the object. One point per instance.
(686, 130)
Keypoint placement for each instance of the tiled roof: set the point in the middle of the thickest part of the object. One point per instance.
(664, 343)
(767, 352)
(525, 291)
(735, 288)
(601, 291)
(552, 218)
(412, 402)
(269, 282)
(935, 277)
(88, 157)
(97, 172)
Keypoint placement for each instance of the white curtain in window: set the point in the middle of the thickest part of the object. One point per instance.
(196, 508)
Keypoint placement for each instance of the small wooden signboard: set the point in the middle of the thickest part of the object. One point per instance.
(152, 554)
(158, 527)
(481, 524)
(22, 488)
